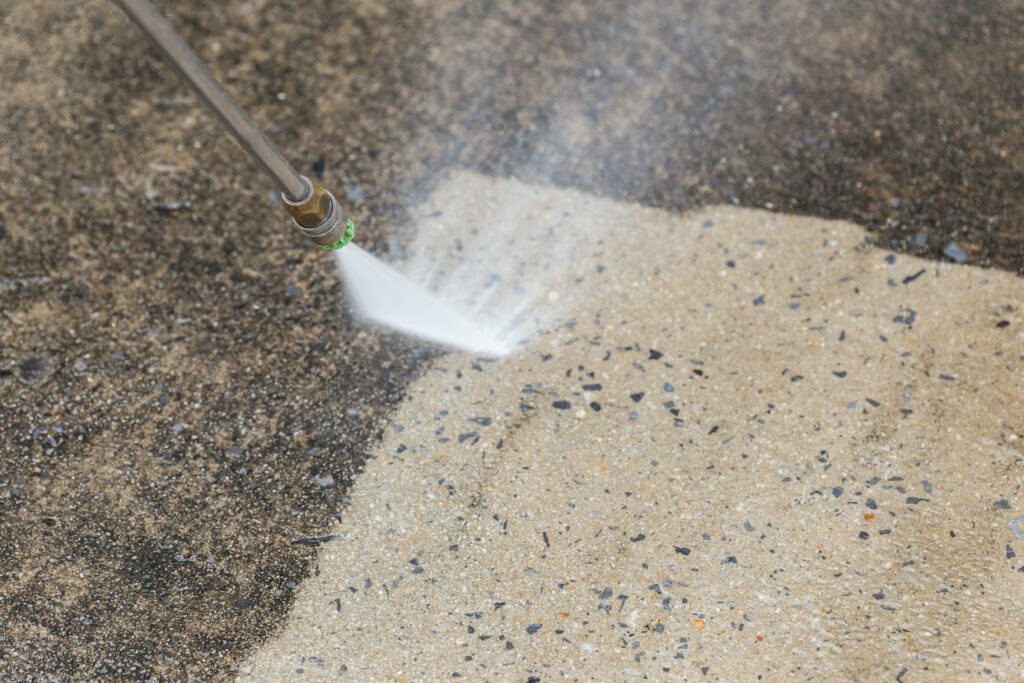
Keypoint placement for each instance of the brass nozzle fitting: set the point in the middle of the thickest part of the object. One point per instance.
(318, 215)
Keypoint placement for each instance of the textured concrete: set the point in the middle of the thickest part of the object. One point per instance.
(747, 445)
(182, 393)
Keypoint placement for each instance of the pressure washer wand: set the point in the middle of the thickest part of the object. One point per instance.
(313, 209)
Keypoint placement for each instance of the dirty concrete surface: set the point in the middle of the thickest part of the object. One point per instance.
(183, 398)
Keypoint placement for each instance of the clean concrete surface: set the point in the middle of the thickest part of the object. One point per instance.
(731, 444)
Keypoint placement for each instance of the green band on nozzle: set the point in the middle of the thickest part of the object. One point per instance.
(344, 239)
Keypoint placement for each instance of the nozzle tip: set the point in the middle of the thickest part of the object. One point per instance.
(346, 237)
(320, 217)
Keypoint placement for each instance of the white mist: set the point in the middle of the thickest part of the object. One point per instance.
(379, 293)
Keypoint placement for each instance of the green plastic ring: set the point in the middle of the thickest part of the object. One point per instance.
(345, 238)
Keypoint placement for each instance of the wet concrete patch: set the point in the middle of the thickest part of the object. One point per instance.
(746, 444)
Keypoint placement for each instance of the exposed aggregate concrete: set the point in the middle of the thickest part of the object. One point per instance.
(748, 445)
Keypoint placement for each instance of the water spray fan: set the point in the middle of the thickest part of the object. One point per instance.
(315, 211)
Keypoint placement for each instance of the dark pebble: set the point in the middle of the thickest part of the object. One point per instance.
(910, 278)
(533, 628)
(561, 405)
(35, 370)
(1002, 504)
(954, 252)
